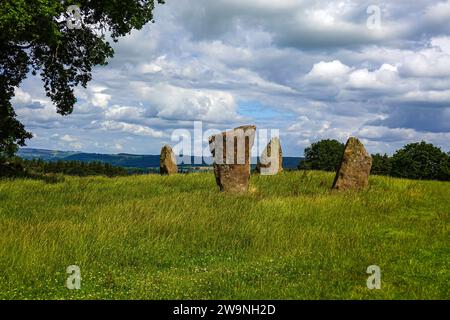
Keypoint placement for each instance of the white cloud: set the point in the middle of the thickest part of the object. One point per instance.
(428, 96)
(68, 138)
(426, 63)
(124, 113)
(382, 78)
(172, 102)
(386, 134)
(100, 99)
(438, 12)
(310, 68)
(21, 97)
(111, 125)
(343, 76)
(443, 43)
(325, 72)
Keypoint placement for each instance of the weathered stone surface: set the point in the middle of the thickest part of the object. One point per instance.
(231, 151)
(353, 173)
(271, 159)
(167, 161)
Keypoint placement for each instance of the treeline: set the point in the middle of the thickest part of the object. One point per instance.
(414, 161)
(419, 160)
(71, 168)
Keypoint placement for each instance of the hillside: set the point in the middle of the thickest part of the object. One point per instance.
(120, 160)
(173, 237)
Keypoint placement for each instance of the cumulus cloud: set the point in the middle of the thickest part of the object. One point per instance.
(312, 69)
(124, 113)
(326, 72)
(172, 102)
(111, 125)
(382, 78)
(427, 63)
(301, 24)
(21, 97)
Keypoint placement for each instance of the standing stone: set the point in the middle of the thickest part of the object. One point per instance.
(231, 151)
(271, 160)
(353, 173)
(167, 161)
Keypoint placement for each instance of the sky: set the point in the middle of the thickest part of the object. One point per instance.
(313, 70)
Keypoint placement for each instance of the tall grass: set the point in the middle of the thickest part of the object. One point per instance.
(177, 237)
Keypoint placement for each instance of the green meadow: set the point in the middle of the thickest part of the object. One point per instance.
(177, 237)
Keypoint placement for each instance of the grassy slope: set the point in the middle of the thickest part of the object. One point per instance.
(177, 237)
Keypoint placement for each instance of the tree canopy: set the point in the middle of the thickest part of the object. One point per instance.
(381, 164)
(421, 161)
(323, 155)
(35, 37)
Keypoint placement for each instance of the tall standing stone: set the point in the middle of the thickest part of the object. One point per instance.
(231, 151)
(271, 160)
(353, 173)
(167, 161)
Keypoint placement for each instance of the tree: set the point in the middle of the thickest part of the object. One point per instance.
(381, 164)
(35, 36)
(323, 155)
(421, 161)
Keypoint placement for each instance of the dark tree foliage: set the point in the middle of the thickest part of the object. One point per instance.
(34, 36)
(421, 161)
(323, 155)
(381, 164)
(414, 161)
(71, 168)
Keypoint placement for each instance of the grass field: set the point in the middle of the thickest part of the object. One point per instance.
(290, 237)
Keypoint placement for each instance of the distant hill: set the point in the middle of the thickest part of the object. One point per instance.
(46, 155)
(120, 160)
